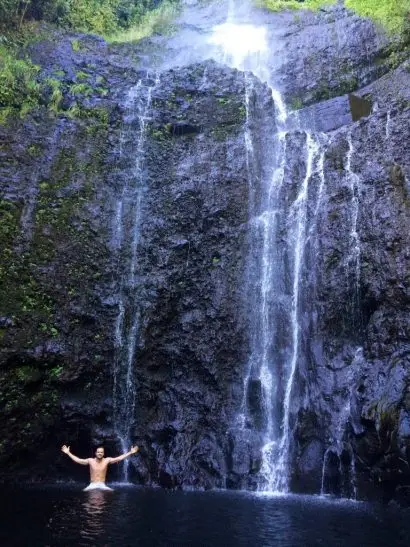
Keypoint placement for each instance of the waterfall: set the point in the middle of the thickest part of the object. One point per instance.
(128, 211)
(279, 476)
(353, 259)
(339, 465)
(274, 293)
(339, 460)
(244, 46)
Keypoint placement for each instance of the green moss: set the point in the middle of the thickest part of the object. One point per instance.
(81, 75)
(395, 57)
(98, 114)
(161, 133)
(29, 402)
(223, 131)
(242, 112)
(35, 149)
(10, 213)
(296, 103)
(81, 89)
(346, 85)
(76, 45)
(28, 374)
(24, 290)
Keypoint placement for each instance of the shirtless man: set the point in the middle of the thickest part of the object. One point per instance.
(98, 465)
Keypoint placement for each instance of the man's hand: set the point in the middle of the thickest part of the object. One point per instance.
(134, 450)
(65, 449)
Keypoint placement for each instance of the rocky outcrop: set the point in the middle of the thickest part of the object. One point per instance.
(65, 264)
(331, 53)
(193, 338)
(56, 266)
(355, 365)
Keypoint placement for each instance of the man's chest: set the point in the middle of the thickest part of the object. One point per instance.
(98, 466)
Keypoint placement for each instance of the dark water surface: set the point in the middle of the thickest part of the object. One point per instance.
(62, 515)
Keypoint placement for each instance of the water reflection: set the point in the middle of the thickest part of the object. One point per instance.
(95, 514)
(155, 518)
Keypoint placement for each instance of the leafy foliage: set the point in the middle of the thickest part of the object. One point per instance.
(157, 20)
(104, 17)
(278, 5)
(13, 12)
(392, 14)
(18, 83)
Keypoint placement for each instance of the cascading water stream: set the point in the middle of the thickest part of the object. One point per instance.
(128, 317)
(279, 479)
(244, 47)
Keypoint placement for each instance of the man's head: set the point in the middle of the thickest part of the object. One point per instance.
(99, 453)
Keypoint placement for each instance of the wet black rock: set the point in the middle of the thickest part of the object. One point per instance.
(67, 254)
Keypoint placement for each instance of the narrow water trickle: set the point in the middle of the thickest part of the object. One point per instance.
(388, 125)
(339, 462)
(353, 259)
(128, 212)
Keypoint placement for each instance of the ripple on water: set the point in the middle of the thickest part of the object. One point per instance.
(65, 515)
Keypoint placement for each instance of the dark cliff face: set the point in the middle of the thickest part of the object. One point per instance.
(66, 263)
(356, 370)
(76, 247)
(193, 338)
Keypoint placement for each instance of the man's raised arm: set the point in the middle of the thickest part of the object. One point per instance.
(134, 450)
(66, 450)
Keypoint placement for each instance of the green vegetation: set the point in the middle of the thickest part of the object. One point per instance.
(81, 89)
(127, 19)
(296, 103)
(56, 94)
(392, 14)
(76, 45)
(19, 88)
(279, 5)
(154, 21)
